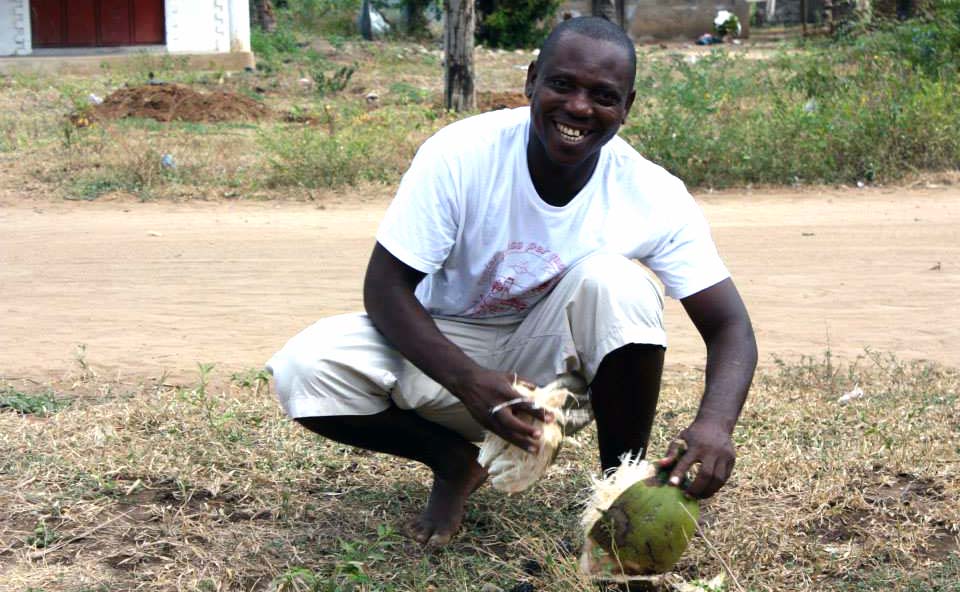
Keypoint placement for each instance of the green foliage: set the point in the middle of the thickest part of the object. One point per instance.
(801, 118)
(405, 93)
(324, 17)
(327, 84)
(252, 378)
(138, 173)
(308, 158)
(517, 23)
(274, 49)
(43, 536)
(351, 145)
(417, 17)
(30, 404)
(929, 43)
(350, 570)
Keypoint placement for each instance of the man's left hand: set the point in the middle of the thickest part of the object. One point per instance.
(707, 444)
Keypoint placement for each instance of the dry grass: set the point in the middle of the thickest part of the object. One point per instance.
(41, 141)
(207, 487)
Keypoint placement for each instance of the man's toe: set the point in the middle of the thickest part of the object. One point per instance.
(419, 532)
(439, 539)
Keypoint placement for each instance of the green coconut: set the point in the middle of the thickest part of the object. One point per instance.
(637, 524)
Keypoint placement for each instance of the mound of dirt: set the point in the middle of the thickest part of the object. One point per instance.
(491, 101)
(176, 102)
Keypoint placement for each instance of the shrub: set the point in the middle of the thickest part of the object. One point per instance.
(801, 118)
(273, 49)
(517, 23)
(327, 17)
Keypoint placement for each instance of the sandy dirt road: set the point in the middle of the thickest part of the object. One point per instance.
(153, 288)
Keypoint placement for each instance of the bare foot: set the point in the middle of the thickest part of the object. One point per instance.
(441, 518)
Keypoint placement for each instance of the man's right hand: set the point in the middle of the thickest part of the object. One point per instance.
(388, 294)
(482, 390)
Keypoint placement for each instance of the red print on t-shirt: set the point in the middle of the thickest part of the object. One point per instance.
(516, 278)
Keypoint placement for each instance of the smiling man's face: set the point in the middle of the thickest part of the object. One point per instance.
(579, 97)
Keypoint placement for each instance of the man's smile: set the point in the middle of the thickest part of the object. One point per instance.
(570, 134)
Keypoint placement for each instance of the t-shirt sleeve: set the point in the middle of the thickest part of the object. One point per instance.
(421, 224)
(686, 259)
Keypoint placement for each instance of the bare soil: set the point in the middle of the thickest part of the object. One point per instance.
(176, 102)
(153, 288)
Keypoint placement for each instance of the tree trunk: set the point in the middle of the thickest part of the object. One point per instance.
(261, 13)
(459, 93)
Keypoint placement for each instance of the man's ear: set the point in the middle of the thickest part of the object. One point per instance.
(626, 110)
(531, 79)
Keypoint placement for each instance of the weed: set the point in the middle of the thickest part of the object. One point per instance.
(325, 84)
(254, 378)
(43, 536)
(358, 146)
(404, 93)
(350, 571)
(826, 497)
(274, 49)
(40, 404)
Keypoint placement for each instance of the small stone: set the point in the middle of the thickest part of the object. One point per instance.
(488, 587)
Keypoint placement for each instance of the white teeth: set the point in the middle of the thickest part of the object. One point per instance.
(568, 132)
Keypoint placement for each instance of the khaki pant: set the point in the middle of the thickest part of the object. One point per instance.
(343, 366)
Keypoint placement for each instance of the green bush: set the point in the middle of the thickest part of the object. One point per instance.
(273, 49)
(808, 118)
(325, 17)
(929, 43)
(517, 23)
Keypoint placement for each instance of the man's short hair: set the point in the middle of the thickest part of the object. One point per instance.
(593, 27)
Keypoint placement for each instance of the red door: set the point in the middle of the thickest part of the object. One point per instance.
(80, 23)
(48, 22)
(89, 23)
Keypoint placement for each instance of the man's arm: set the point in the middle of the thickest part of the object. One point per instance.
(388, 296)
(722, 320)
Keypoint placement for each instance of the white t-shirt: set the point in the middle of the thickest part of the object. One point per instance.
(467, 214)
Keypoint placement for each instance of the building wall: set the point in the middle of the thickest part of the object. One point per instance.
(14, 27)
(193, 26)
(681, 19)
(660, 20)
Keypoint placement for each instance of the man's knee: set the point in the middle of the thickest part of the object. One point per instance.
(612, 278)
(339, 361)
(294, 371)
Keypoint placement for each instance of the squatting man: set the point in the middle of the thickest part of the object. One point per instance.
(510, 253)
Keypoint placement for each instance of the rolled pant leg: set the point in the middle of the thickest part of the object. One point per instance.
(338, 366)
(343, 366)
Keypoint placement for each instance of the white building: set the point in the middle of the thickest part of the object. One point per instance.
(98, 27)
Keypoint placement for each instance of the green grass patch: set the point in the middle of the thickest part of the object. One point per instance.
(40, 404)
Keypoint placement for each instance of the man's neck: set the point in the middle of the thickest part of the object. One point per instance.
(555, 184)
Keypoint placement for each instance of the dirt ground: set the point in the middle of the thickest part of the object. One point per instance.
(176, 102)
(154, 288)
